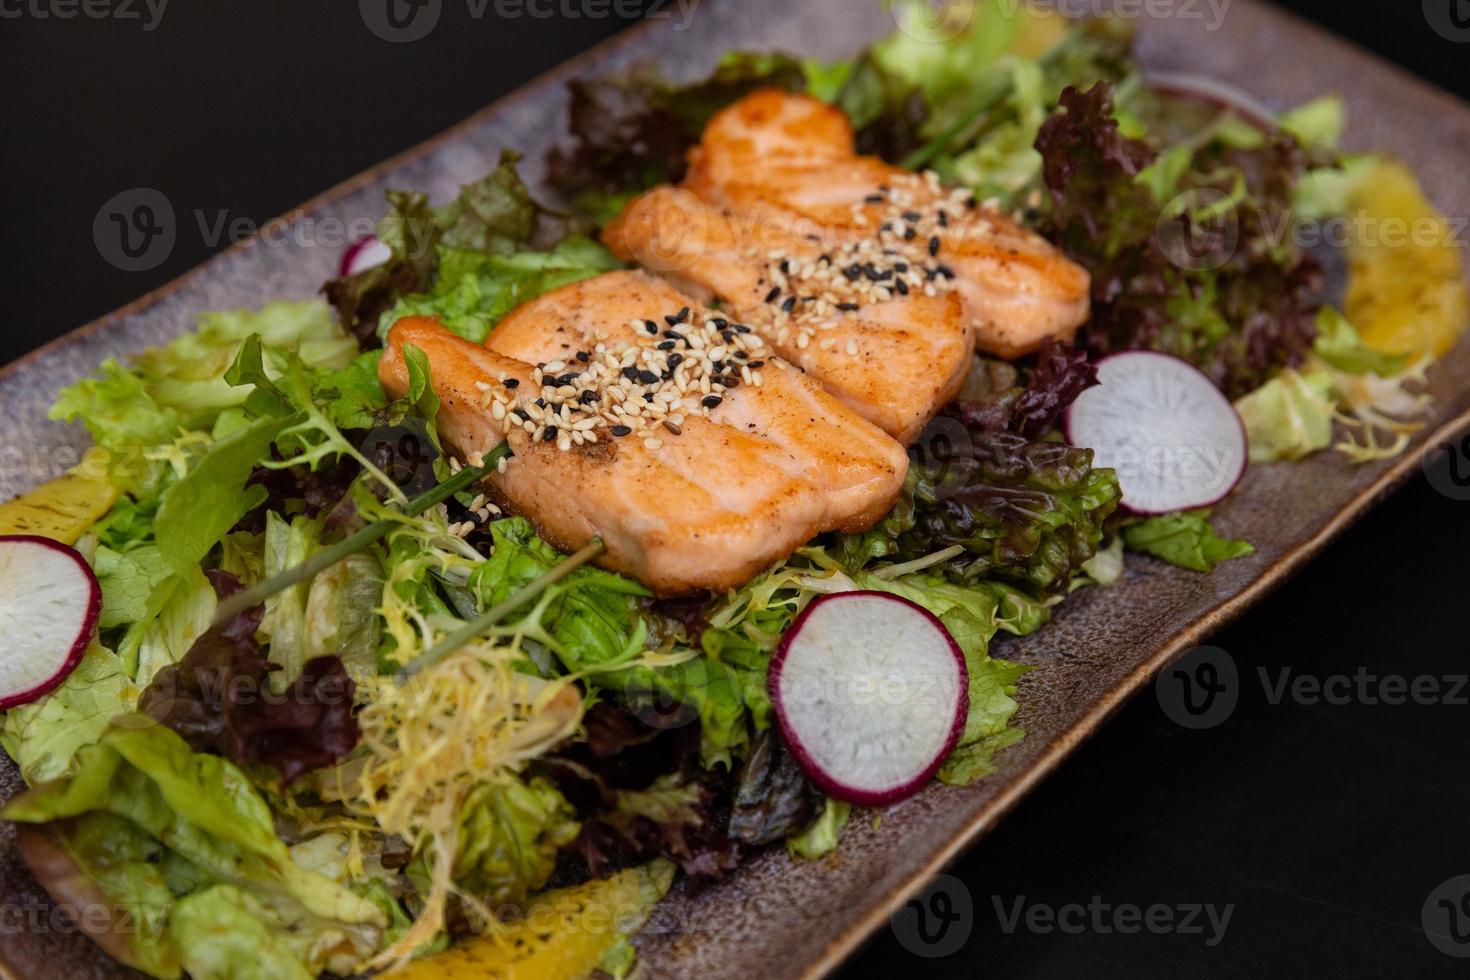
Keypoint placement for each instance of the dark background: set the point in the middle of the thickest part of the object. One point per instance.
(1326, 827)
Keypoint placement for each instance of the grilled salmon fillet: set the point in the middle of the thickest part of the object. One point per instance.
(740, 476)
(777, 166)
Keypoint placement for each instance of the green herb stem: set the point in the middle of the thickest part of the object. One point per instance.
(496, 613)
(350, 545)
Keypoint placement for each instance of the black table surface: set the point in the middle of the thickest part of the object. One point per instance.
(1306, 835)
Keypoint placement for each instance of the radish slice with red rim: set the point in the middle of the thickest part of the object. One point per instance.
(364, 254)
(871, 693)
(49, 604)
(1175, 441)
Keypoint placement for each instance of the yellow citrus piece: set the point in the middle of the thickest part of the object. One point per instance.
(564, 933)
(63, 509)
(1040, 31)
(1406, 279)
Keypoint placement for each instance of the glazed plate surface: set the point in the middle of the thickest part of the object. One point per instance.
(776, 918)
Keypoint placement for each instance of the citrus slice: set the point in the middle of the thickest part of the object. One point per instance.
(565, 932)
(63, 509)
(1406, 289)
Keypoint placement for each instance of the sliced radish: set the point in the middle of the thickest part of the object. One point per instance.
(49, 604)
(1175, 441)
(1201, 88)
(364, 254)
(871, 693)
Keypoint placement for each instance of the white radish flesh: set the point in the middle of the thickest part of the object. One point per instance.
(49, 604)
(1175, 441)
(871, 693)
(364, 254)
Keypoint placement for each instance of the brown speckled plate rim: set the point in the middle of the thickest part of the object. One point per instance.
(845, 942)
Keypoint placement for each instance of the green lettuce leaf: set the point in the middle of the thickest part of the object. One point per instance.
(43, 737)
(820, 836)
(199, 806)
(1185, 539)
(509, 834)
(1289, 416)
(1339, 345)
(475, 290)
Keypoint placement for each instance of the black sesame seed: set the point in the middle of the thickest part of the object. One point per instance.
(853, 271)
(847, 307)
(740, 328)
(682, 315)
(785, 266)
(583, 356)
(901, 286)
(886, 226)
(673, 335)
(789, 305)
(740, 355)
(666, 345)
(909, 234)
(650, 326)
(972, 202)
(549, 434)
(944, 219)
(875, 198)
(901, 267)
(720, 323)
(621, 430)
(631, 373)
(934, 245)
(587, 397)
(523, 414)
(648, 396)
(945, 271)
(755, 364)
(773, 294)
(911, 216)
(512, 382)
(647, 377)
(673, 427)
(541, 403)
(730, 381)
(711, 401)
(675, 360)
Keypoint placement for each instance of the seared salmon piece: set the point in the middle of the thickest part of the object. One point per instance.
(895, 359)
(859, 468)
(693, 483)
(778, 160)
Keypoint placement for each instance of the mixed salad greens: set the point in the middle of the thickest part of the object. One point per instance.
(267, 792)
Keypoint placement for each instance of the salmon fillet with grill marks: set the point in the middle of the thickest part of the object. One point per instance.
(777, 172)
(746, 480)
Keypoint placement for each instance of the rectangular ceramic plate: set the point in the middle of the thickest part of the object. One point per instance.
(775, 918)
